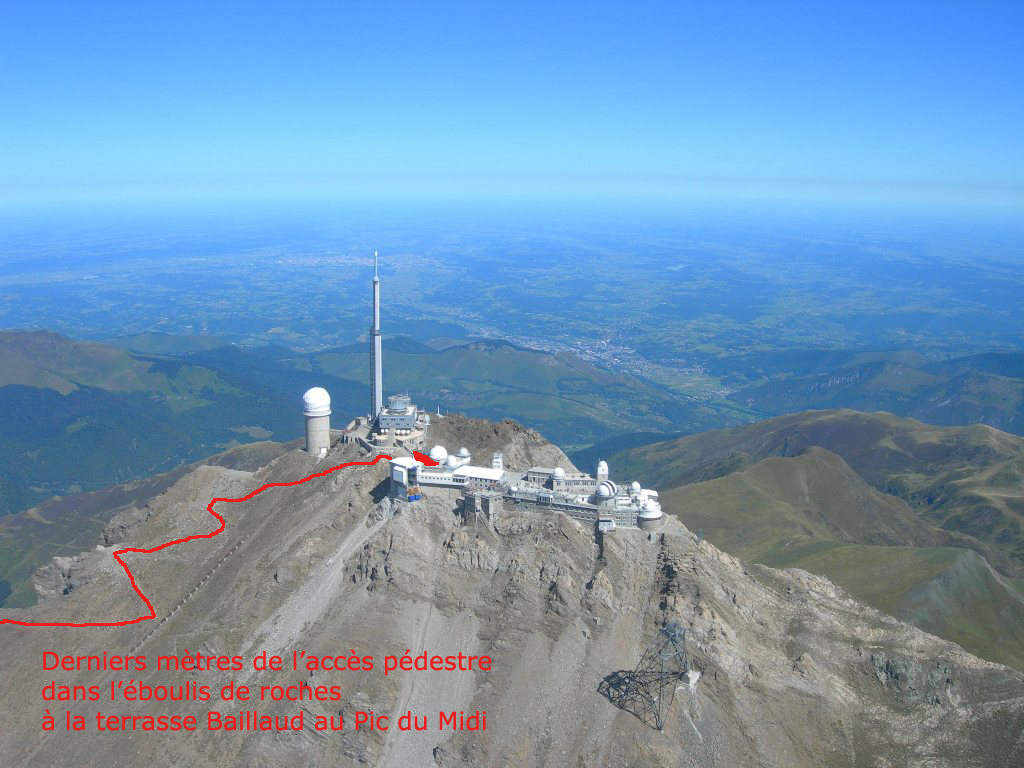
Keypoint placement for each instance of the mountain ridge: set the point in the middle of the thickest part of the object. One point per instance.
(332, 564)
(895, 511)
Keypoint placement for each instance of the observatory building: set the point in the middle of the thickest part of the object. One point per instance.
(452, 471)
(592, 499)
(400, 414)
(597, 501)
(316, 405)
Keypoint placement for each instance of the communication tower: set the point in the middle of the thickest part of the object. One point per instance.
(648, 691)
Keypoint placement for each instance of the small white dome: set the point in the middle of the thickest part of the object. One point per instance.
(316, 402)
(605, 489)
(451, 462)
(635, 487)
(463, 452)
(558, 474)
(438, 453)
(602, 467)
(650, 512)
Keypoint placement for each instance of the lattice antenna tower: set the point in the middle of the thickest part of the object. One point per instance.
(648, 691)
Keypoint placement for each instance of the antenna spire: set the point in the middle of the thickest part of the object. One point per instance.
(377, 377)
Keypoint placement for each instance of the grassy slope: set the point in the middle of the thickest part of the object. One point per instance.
(953, 593)
(814, 511)
(812, 496)
(166, 343)
(77, 416)
(966, 480)
(986, 388)
(50, 361)
(43, 359)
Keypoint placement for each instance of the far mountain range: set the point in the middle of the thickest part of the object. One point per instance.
(985, 388)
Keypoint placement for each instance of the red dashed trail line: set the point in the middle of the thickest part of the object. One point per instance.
(165, 545)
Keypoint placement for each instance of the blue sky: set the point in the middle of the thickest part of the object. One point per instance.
(904, 100)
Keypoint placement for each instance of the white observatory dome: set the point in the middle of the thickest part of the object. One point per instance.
(650, 517)
(438, 453)
(635, 487)
(451, 462)
(602, 467)
(316, 402)
(606, 489)
(463, 452)
(558, 474)
(650, 512)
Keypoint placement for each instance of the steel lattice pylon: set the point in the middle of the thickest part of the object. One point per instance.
(648, 690)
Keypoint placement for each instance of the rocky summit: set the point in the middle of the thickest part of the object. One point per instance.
(786, 668)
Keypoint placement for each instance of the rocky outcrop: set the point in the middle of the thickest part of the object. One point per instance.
(122, 523)
(522, 447)
(931, 683)
(60, 577)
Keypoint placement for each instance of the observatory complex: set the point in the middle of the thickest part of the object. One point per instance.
(486, 491)
(481, 491)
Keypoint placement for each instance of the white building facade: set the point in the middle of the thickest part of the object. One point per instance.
(593, 500)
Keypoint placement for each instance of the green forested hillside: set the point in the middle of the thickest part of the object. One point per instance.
(985, 388)
(166, 343)
(77, 416)
(962, 479)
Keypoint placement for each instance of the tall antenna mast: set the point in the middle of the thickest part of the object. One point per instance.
(376, 375)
